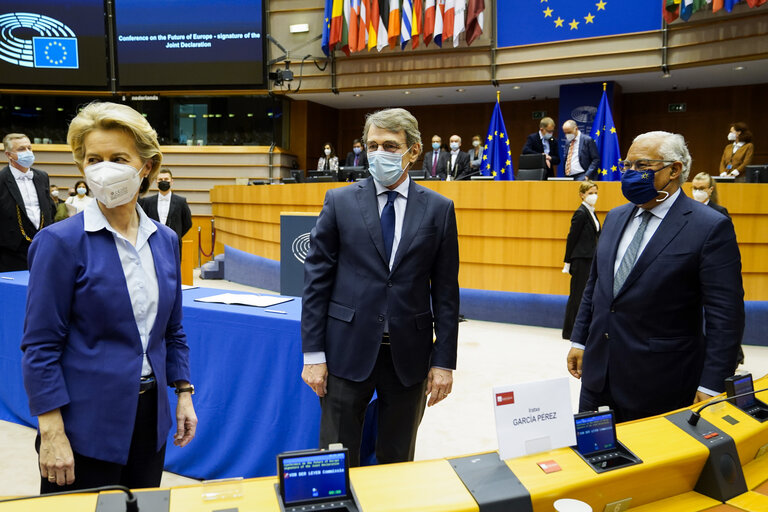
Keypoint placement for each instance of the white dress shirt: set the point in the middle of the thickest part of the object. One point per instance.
(545, 143)
(139, 270)
(400, 203)
(576, 168)
(163, 205)
(28, 194)
(454, 156)
(591, 210)
(79, 202)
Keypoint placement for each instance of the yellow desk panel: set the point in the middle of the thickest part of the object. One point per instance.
(748, 434)
(756, 473)
(686, 502)
(257, 494)
(428, 486)
(750, 502)
(73, 503)
(672, 461)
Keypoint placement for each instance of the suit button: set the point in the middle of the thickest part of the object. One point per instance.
(606, 336)
(381, 318)
(389, 284)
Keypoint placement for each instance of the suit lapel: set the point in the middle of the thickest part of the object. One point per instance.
(13, 188)
(369, 210)
(159, 255)
(414, 213)
(171, 208)
(42, 196)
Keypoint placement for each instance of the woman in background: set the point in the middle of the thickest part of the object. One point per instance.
(82, 198)
(579, 250)
(738, 154)
(329, 161)
(476, 155)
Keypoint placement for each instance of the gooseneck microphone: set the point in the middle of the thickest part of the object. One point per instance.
(131, 505)
(696, 415)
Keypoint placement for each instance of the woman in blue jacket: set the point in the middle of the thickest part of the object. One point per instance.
(102, 334)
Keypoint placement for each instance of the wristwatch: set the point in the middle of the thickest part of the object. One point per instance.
(189, 389)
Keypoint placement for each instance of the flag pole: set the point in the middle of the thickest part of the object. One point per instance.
(498, 95)
(604, 84)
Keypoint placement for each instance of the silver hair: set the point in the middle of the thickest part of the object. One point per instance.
(671, 147)
(571, 124)
(8, 140)
(394, 120)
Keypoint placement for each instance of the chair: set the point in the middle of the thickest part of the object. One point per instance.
(532, 167)
(531, 174)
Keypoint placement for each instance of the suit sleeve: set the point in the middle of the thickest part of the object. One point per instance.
(177, 350)
(186, 217)
(319, 276)
(463, 169)
(445, 294)
(528, 147)
(749, 150)
(594, 158)
(577, 225)
(723, 298)
(52, 274)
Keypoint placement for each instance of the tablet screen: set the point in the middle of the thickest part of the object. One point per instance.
(595, 432)
(317, 476)
(744, 385)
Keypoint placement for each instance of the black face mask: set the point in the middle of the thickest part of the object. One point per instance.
(164, 185)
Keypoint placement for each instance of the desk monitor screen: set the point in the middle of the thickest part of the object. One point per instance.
(743, 384)
(595, 432)
(313, 476)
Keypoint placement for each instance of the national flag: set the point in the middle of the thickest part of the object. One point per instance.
(437, 33)
(474, 20)
(448, 18)
(353, 11)
(406, 21)
(755, 3)
(670, 10)
(345, 28)
(417, 18)
(373, 23)
(337, 22)
(393, 27)
(686, 9)
(717, 5)
(458, 20)
(497, 155)
(55, 52)
(429, 21)
(381, 34)
(362, 26)
(607, 140)
(729, 4)
(327, 27)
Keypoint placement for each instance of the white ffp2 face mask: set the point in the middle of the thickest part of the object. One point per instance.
(700, 195)
(113, 184)
(590, 199)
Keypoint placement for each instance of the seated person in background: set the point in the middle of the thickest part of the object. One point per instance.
(543, 142)
(705, 191)
(738, 154)
(458, 163)
(476, 154)
(436, 161)
(329, 161)
(82, 197)
(357, 157)
(582, 160)
(61, 206)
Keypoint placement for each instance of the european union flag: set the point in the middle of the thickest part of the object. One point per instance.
(604, 134)
(497, 157)
(523, 22)
(55, 52)
(327, 28)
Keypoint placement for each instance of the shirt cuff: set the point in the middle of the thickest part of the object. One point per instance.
(441, 368)
(314, 357)
(707, 391)
(578, 345)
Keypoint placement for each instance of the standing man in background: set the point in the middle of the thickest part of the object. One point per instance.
(436, 161)
(458, 164)
(381, 276)
(543, 142)
(26, 206)
(168, 208)
(582, 160)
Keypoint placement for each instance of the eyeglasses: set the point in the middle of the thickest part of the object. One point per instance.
(642, 165)
(389, 147)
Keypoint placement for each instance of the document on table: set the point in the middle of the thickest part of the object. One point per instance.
(259, 301)
(187, 287)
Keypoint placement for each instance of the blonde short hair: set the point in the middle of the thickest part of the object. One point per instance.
(712, 184)
(586, 185)
(114, 116)
(394, 120)
(11, 137)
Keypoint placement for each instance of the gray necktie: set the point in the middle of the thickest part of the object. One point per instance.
(628, 261)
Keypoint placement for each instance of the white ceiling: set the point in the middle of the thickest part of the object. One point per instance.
(721, 75)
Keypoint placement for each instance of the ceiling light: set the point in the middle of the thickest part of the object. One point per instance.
(738, 68)
(459, 90)
(406, 92)
(60, 109)
(231, 115)
(357, 95)
(516, 87)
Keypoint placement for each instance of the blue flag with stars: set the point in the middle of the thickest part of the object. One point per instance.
(327, 28)
(497, 157)
(607, 140)
(55, 52)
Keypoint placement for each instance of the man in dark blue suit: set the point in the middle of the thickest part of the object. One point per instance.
(543, 142)
(582, 160)
(380, 276)
(662, 315)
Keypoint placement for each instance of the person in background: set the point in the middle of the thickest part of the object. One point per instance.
(329, 162)
(61, 206)
(168, 208)
(357, 157)
(705, 191)
(103, 336)
(458, 161)
(543, 142)
(738, 154)
(82, 197)
(476, 155)
(436, 161)
(579, 250)
(25, 202)
(582, 161)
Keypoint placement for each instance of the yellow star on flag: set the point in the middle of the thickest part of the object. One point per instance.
(490, 137)
(488, 166)
(503, 171)
(542, 1)
(507, 141)
(496, 132)
(645, 176)
(509, 162)
(574, 24)
(613, 168)
(502, 135)
(613, 129)
(485, 148)
(485, 157)
(509, 153)
(601, 5)
(589, 17)
(559, 22)
(548, 12)
(597, 133)
(605, 172)
(493, 173)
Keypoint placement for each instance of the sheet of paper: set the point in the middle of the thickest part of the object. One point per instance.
(187, 287)
(259, 301)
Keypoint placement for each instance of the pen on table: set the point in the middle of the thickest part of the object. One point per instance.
(275, 311)
(6, 277)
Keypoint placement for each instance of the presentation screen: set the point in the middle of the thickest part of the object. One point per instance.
(53, 43)
(189, 43)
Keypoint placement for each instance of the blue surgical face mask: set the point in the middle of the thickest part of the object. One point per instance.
(25, 158)
(454, 146)
(357, 150)
(386, 168)
(639, 188)
(435, 146)
(547, 135)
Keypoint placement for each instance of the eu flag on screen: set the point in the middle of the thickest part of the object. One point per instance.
(607, 139)
(497, 157)
(327, 28)
(55, 52)
(522, 22)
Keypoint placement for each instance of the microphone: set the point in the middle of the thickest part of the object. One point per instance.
(696, 415)
(131, 505)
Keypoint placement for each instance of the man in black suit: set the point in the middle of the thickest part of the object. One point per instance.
(458, 161)
(705, 191)
(168, 208)
(543, 142)
(582, 160)
(381, 276)
(25, 202)
(436, 161)
(357, 157)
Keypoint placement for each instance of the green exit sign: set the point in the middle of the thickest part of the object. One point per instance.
(677, 107)
(539, 114)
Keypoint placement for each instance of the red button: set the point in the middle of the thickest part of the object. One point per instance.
(710, 435)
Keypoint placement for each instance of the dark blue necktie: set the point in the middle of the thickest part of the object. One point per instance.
(388, 223)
